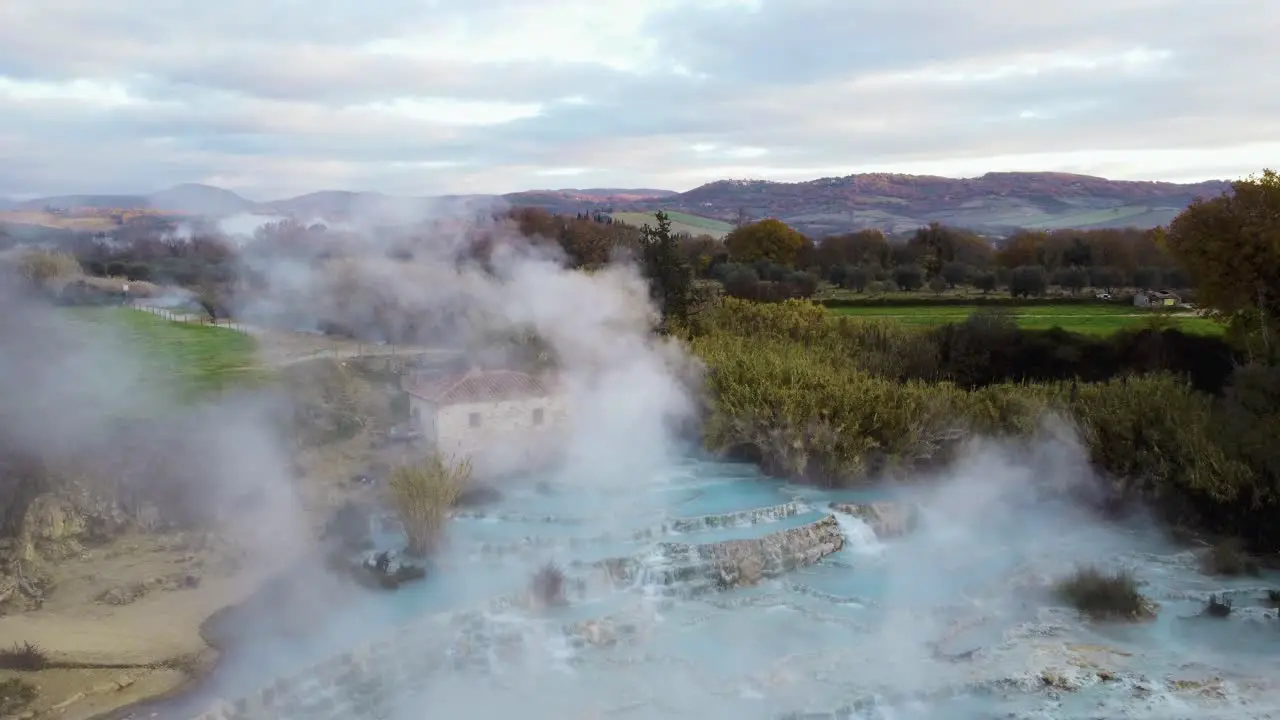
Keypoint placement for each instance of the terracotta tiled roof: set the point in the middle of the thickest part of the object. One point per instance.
(478, 386)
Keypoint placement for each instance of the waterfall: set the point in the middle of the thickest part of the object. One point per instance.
(858, 536)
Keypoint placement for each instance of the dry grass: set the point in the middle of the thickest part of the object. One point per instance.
(24, 656)
(15, 694)
(547, 585)
(1228, 558)
(137, 288)
(1104, 596)
(61, 222)
(423, 494)
(43, 267)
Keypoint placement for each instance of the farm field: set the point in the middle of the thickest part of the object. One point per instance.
(680, 223)
(49, 220)
(1100, 319)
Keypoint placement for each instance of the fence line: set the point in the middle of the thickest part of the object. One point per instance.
(402, 356)
(185, 317)
(349, 349)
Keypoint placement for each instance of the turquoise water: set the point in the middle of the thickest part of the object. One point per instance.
(952, 621)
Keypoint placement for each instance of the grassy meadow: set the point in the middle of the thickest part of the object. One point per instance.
(194, 359)
(1093, 319)
(680, 223)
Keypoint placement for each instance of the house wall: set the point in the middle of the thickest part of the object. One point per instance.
(1146, 300)
(423, 414)
(507, 439)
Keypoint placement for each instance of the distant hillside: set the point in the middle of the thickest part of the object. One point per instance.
(333, 205)
(995, 202)
(896, 203)
(196, 199)
(94, 202)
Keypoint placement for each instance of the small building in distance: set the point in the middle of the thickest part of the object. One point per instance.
(503, 421)
(1156, 299)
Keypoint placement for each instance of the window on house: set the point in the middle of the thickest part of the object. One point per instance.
(474, 419)
(537, 416)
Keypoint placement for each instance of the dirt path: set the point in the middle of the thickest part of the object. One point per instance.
(282, 348)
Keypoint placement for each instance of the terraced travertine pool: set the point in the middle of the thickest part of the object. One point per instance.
(952, 620)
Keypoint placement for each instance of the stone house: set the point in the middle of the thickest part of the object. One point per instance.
(504, 421)
(1156, 299)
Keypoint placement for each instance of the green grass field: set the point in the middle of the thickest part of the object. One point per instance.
(680, 223)
(191, 359)
(1100, 319)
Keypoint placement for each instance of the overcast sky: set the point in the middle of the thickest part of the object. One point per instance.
(279, 97)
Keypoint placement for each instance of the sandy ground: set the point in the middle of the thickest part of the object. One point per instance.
(153, 644)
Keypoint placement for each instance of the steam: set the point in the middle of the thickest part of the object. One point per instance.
(997, 526)
(89, 416)
(1001, 516)
(241, 227)
(626, 389)
(180, 233)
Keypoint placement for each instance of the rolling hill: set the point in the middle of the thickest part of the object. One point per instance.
(995, 202)
(197, 199)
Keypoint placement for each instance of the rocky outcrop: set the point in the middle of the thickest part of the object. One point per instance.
(732, 563)
(387, 571)
(886, 519)
(677, 526)
(51, 527)
(734, 519)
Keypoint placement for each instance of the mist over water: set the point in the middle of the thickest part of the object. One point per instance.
(953, 619)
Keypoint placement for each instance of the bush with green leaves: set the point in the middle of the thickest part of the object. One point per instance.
(838, 399)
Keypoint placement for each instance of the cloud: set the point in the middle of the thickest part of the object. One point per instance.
(497, 95)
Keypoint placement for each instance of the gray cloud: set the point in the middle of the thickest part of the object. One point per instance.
(278, 98)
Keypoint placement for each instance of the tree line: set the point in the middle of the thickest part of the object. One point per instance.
(768, 260)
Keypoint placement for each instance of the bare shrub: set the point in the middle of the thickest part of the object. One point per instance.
(1218, 607)
(423, 494)
(1104, 596)
(23, 656)
(1228, 558)
(548, 585)
(42, 267)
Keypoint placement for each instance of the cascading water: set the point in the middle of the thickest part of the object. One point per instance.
(953, 619)
(859, 538)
